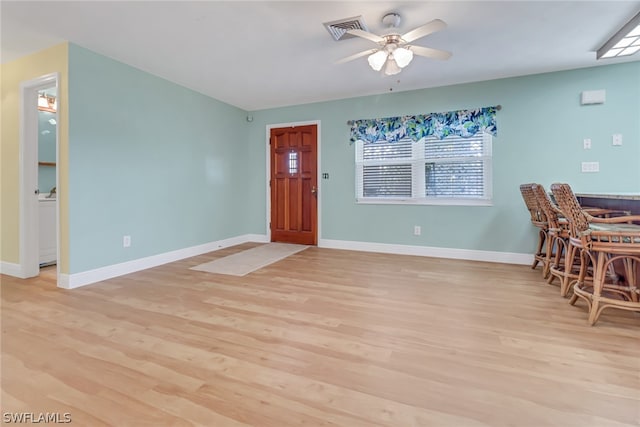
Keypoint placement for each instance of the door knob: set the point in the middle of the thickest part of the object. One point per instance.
(314, 190)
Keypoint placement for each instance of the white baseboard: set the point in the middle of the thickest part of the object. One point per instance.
(428, 251)
(258, 238)
(71, 281)
(11, 269)
(75, 280)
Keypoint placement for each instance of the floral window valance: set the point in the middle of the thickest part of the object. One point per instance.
(464, 123)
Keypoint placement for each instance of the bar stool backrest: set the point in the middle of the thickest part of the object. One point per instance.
(547, 206)
(571, 209)
(538, 218)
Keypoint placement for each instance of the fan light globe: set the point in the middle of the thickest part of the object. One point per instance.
(391, 67)
(377, 60)
(402, 56)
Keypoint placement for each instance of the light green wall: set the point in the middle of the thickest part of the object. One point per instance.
(173, 168)
(149, 159)
(540, 131)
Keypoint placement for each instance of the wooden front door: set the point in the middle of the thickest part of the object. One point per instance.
(294, 186)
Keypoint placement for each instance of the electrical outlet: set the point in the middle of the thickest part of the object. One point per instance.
(616, 139)
(417, 230)
(126, 241)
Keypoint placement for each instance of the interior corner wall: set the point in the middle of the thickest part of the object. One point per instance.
(54, 59)
(151, 160)
(541, 128)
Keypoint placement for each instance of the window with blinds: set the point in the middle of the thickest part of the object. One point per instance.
(453, 170)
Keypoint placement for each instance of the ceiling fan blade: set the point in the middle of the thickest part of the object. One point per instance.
(429, 52)
(366, 35)
(356, 56)
(424, 30)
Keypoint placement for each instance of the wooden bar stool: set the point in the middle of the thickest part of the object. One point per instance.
(562, 258)
(602, 243)
(539, 220)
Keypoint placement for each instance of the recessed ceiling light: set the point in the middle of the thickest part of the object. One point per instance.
(625, 42)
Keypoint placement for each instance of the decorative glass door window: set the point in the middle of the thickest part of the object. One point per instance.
(293, 163)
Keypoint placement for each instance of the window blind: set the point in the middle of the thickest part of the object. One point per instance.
(386, 169)
(455, 167)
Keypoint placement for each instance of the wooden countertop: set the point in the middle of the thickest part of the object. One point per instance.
(614, 196)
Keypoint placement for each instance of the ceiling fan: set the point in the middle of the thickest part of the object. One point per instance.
(394, 52)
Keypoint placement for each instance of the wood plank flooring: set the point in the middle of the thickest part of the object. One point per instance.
(322, 338)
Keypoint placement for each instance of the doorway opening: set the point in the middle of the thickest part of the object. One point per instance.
(39, 153)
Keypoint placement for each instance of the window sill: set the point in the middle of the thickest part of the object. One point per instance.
(432, 201)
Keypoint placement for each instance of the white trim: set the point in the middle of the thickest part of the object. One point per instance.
(59, 102)
(267, 181)
(258, 238)
(318, 172)
(84, 278)
(429, 251)
(424, 201)
(71, 281)
(413, 155)
(28, 161)
(11, 269)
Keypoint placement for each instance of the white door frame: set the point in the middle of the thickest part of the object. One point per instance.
(318, 172)
(29, 222)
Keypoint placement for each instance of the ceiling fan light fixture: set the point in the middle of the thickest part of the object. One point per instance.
(377, 59)
(394, 53)
(391, 67)
(402, 56)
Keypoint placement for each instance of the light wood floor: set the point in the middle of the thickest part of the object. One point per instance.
(322, 338)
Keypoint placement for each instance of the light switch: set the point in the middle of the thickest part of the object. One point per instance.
(586, 143)
(617, 139)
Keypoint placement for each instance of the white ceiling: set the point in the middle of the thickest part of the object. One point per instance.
(264, 54)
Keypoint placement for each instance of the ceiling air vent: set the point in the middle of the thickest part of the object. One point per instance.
(338, 29)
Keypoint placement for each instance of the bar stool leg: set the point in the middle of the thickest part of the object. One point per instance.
(541, 239)
(631, 277)
(599, 275)
(568, 269)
